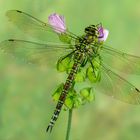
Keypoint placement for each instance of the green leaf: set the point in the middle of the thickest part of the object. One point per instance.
(81, 75)
(73, 100)
(57, 92)
(96, 62)
(87, 95)
(65, 38)
(78, 102)
(93, 75)
(63, 64)
(69, 66)
(69, 102)
(71, 63)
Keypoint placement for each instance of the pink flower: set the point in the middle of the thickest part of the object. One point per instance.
(103, 33)
(57, 22)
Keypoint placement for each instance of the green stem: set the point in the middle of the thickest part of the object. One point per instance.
(69, 124)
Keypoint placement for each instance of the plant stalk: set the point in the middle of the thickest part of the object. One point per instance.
(69, 124)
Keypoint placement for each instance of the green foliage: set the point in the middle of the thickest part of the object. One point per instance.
(93, 75)
(81, 75)
(63, 64)
(87, 95)
(57, 92)
(96, 62)
(93, 72)
(74, 99)
(65, 38)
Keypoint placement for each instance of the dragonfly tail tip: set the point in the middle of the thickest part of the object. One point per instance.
(49, 128)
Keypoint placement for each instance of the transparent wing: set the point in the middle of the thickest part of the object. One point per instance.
(126, 63)
(117, 87)
(35, 27)
(35, 53)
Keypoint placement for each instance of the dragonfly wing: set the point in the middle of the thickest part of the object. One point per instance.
(35, 53)
(126, 63)
(117, 87)
(33, 26)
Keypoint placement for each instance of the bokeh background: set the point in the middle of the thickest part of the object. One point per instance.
(25, 90)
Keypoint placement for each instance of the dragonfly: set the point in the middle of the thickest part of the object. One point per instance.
(85, 50)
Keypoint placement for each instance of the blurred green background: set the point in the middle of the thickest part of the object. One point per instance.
(25, 91)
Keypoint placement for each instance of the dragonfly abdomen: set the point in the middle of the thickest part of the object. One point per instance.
(66, 88)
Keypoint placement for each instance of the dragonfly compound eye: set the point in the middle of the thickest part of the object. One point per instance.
(91, 30)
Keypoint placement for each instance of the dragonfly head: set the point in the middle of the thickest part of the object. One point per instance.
(92, 30)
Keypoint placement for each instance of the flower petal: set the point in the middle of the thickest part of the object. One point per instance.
(57, 22)
(100, 30)
(105, 35)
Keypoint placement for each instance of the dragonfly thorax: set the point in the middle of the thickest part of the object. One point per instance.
(90, 37)
(83, 43)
